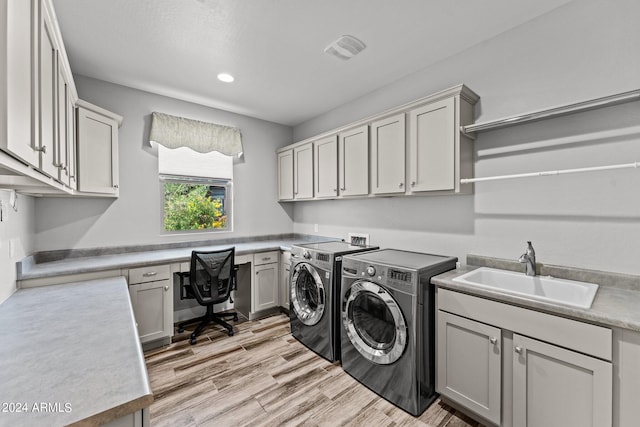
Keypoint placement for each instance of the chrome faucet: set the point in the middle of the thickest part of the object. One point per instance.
(529, 257)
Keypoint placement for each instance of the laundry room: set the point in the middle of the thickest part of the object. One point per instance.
(319, 213)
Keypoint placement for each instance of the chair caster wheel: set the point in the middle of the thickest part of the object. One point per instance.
(235, 318)
(180, 330)
(193, 341)
(230, 333)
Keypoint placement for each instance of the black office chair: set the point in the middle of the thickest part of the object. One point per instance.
(212, 277)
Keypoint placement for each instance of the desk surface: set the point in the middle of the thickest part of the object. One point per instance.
(28, 270)
(73, 348)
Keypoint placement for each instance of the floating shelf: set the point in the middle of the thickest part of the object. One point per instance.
(550, 113)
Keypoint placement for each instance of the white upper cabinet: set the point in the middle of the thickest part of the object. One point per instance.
(38, 118)
(439, 154)
(388, 155)
(326, 167)
(285, 175)
(432, 146)
(303, 171)
(17, 88)
(353, 162)
(97, 150)
(416, 148)
(48, 107)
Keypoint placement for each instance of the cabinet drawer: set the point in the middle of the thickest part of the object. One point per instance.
(149, 274)
(265, 257)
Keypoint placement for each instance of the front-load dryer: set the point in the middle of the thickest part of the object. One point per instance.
(314, 287)
(388, 315)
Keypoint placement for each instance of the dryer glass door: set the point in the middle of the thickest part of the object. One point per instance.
(307, 294)
(374, 323)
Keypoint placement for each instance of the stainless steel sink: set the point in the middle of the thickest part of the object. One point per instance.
(543, 288)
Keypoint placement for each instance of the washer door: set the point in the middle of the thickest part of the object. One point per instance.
(374, 322)
(307, 294)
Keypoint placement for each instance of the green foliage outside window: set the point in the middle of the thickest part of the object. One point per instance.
(192, 207)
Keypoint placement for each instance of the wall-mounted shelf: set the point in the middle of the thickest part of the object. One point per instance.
(550, 113)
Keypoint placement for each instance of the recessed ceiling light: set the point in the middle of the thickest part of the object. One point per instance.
(224, 77)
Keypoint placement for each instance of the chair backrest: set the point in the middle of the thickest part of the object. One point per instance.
(212, 275)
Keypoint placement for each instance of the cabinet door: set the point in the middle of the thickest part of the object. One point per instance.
(48, 95)
(353, 157)
(469, 364)
(62, 135)
(153, 308)
(19, 17)
(285, 175)
(303, 171)
(265, 293)
(285, 266)
(432, 146)
(97, 153)
(326, 167)
(553, 386)
(71, 148)
(388, 155)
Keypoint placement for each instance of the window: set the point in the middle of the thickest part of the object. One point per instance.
(196, 190)
(196, 204)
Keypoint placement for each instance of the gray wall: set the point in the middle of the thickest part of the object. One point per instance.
(134, 218)
(583, 50)
(16, 229)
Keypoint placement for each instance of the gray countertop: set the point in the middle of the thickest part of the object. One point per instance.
(613, 305)
(27, 269)
(73, 348)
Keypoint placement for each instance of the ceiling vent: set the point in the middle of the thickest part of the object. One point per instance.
(346, 47)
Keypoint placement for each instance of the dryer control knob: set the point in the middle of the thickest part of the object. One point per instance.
(371, 271)
(306, 255)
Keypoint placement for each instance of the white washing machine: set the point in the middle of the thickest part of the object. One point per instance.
(388, 324)
(314, 286)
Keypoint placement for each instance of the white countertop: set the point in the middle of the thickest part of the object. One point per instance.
(71, 351)
(134, 259)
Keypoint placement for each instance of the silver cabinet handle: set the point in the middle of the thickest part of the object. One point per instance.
(518, 349)
(401, 185)
(42, 149)
(493, 340)
(266, 259)
(342, 188)
(413, 183)
(166, 288)
(149, 274)
(335, 190)
(116, 186)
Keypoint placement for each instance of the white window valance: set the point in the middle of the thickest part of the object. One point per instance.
(173, 132)
(183, 161)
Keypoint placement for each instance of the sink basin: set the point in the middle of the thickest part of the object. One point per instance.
(543, 288)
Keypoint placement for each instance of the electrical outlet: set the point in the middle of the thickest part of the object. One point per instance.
(358, 239)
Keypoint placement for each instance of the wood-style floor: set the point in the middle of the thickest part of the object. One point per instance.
(262, 376)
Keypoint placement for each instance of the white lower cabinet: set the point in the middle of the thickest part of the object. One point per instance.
(553, 386)
(512, 366)
(151, 292)
(266, 287)
(469, 369)
(285, 268)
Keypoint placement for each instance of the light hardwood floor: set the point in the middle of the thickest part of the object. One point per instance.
(262, 376)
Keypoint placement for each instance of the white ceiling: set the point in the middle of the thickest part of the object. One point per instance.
(274, 48)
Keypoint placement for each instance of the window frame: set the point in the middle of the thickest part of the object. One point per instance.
(218, 182)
